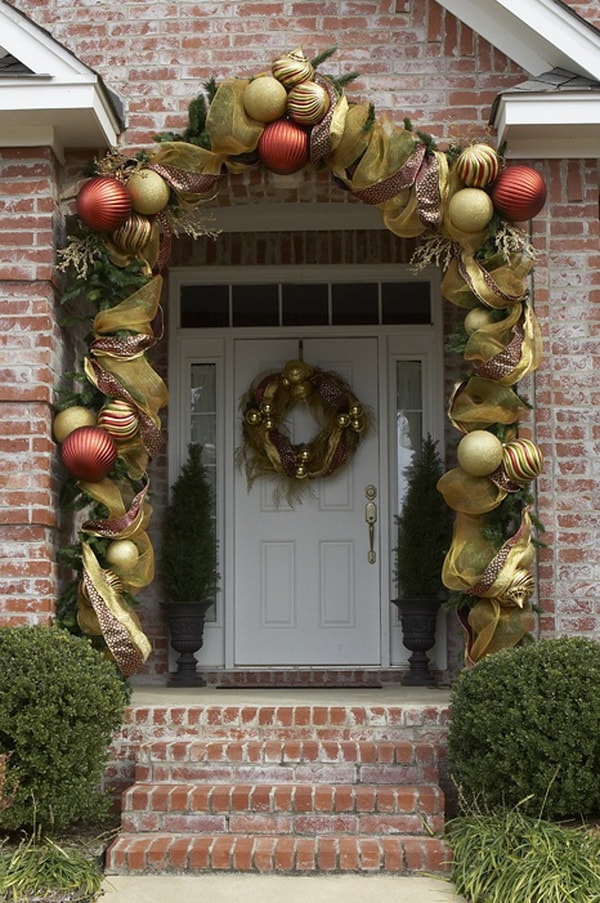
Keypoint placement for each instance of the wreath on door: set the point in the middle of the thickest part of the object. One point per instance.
(267, 448)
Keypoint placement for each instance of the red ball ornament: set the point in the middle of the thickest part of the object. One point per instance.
(103, 203)
(89, 453)
(284, 147)
(519, 193)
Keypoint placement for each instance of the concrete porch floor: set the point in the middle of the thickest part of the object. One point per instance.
(389, 694)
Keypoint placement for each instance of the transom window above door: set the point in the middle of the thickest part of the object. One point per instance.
(218, 306)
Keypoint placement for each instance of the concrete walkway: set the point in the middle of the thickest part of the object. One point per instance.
(275, 889)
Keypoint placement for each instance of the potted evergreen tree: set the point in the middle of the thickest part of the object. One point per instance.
(188, 564)
(424, 532)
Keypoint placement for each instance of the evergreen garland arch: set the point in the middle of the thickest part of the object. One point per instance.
(463, 204)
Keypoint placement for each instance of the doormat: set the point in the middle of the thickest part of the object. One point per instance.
(283, 686)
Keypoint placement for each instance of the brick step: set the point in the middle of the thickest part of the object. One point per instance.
(166, 853)
(289, 761)
(301, 809)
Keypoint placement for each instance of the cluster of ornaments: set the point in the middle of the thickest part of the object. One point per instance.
(481, 454)
(517, 193)
(89, 450)
(124, 210)
(290, 102)
(90, 442)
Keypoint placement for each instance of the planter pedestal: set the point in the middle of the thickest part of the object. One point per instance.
(418, 618)
(186, 628)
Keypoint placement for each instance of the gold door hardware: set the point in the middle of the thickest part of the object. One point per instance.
(371, 519)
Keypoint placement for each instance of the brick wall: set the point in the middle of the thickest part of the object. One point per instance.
(30, 364)
(415, 60)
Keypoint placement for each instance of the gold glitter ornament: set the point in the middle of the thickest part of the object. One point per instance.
(265, 99)
(292, 68)
(149, 192)
(479, 453)
(71, 419)
(470, 209)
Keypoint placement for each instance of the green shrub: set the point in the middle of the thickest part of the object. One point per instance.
(60, 702)
(526, 723)
(508, 857)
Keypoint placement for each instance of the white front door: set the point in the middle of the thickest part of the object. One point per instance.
(305, 591)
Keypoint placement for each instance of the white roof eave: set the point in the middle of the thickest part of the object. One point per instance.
(538, 35)
(546, 125)
(77, 115)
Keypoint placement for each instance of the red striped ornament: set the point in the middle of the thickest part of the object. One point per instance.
(103, 204)
(519, 193)
(522, 461)
(284, 147)
(89, 453)
(478, 165)
(308, 103)
(120, 419)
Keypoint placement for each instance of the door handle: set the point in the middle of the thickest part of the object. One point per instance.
(371, 519)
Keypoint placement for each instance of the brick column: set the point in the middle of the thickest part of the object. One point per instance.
(30, 364)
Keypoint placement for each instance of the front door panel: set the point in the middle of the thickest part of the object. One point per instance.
(305, 591)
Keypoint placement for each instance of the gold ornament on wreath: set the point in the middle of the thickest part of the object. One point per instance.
(267, 449)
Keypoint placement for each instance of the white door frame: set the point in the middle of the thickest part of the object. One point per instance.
(424, 342)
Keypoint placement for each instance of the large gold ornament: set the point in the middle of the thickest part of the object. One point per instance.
(470, 209)
(72, 419)
(265, 99)
(479, 453)
(149, 192)
(267, 449)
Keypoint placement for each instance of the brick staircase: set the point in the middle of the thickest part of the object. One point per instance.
(292, 789)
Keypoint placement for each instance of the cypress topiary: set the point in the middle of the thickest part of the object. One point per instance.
(188, 554)
(525, 729)
(424, 528)
(60, 703)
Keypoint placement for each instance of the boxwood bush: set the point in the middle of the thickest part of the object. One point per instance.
(526, 723)
(60, 703)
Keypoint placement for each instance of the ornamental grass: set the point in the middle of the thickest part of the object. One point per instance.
(510, 857)
(40, 870)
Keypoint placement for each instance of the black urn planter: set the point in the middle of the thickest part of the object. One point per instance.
(418, 618)
(186, 628)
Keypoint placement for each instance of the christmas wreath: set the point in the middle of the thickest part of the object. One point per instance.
(463, 203)
(267, 448)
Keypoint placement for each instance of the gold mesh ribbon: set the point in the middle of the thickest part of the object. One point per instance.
(500, 578)
(507, 350)
(477, 403)
(469, 494)
(118, 622)
(497, 283)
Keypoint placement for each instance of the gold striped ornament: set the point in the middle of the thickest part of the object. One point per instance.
(522, 460)
(133, 236)
(120, 419)
(307, 103)
(478, 165)
(292, 68)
